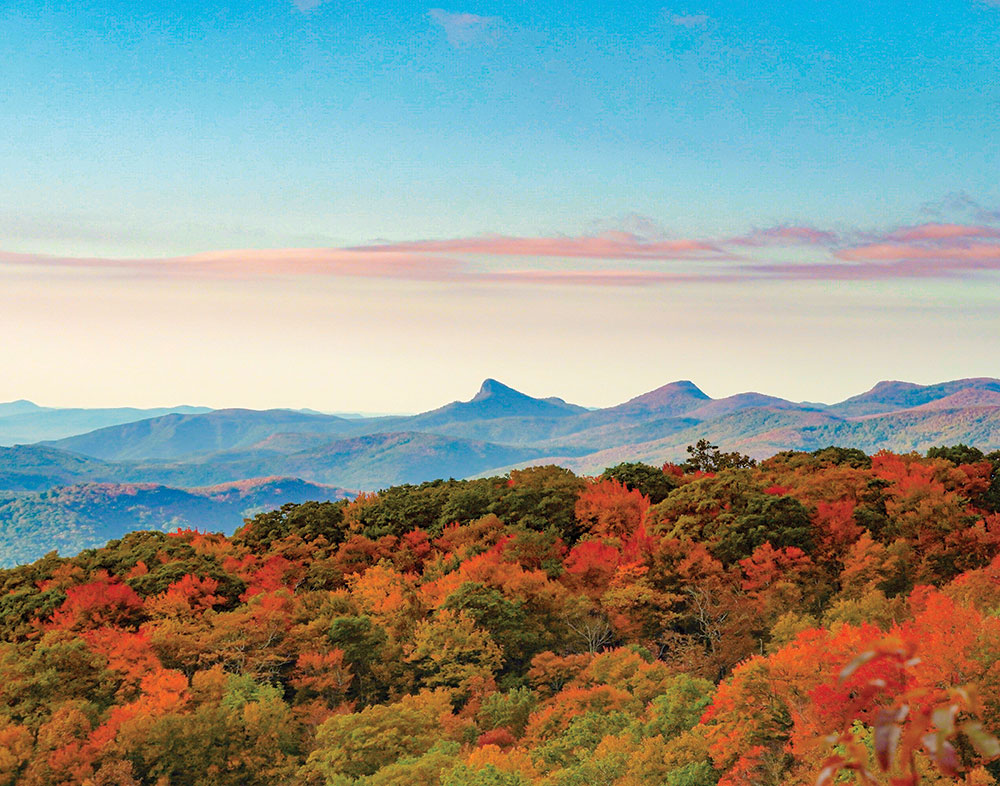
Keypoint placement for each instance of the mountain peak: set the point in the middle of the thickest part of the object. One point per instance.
(893, 386)
(671, 394)
(18, 407)
(491, 388)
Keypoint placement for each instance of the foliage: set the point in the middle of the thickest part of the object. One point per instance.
(704, 625)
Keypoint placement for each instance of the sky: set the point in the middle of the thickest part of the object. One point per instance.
(374, 206)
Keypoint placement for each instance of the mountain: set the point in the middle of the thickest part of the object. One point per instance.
(495, 400)
(22, 422)
(154, 471)
(176, 436)
(371, 461)
(677, 398)
(742, 401)
(501, 427)
(19, 407)
(37, 468)
(892, 396)
(72, 518)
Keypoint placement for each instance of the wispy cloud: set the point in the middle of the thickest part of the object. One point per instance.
(256, 263)
(786, 236)
(464, 30)
(690, 21)
(609, 259)
(959, 203)
(305, 6)
(608, 245)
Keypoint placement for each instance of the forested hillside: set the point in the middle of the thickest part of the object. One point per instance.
(822, 617)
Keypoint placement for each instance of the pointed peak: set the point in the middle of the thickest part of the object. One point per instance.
(491, 388)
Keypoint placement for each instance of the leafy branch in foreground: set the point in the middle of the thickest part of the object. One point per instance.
(928, 720)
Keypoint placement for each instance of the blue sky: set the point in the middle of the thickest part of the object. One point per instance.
(790, 151)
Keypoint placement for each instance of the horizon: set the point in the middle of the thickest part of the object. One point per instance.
(354, 413)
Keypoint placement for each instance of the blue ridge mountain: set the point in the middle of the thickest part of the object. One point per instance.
(891, 395)
(24, 422)
(176, 436)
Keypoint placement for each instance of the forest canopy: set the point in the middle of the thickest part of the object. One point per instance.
(826, 615)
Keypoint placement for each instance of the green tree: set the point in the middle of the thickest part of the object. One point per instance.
(644, 478)
(706, 457)
(450, 651)
(362, 743)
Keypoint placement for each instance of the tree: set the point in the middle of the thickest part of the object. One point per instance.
(649, 481)
(542, 497)
(362, 743)
(608, 509)
(309, 520)
(703, 456)
(450, 651)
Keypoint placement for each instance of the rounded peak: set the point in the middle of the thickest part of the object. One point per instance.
(672, 392)
(686, 385)
(21, 405)
(894, 385)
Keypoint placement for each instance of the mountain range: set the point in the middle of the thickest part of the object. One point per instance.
(499, 428)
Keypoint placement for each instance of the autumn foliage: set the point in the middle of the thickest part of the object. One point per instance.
(814, 619)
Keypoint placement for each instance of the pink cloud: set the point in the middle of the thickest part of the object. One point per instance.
(936, 232)
(968, 254)
(898, 270)
(923, 251)
(786, 236)
(613, 278)
(251, 263)
(608, 245)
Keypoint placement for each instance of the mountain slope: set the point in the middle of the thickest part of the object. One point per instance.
(36, 468)
(892, 396)
(175, 436)
(368, 462)
(22, 422)
(71, 518)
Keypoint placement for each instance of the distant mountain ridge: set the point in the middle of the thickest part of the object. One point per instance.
(176, 435)
(499, 428)
(891, 396)
(24, 422)
(513, 423)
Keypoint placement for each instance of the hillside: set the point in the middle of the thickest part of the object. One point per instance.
(369, 462)
(892, 396)
(71, 518)
(36, 468)
(175, 436)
